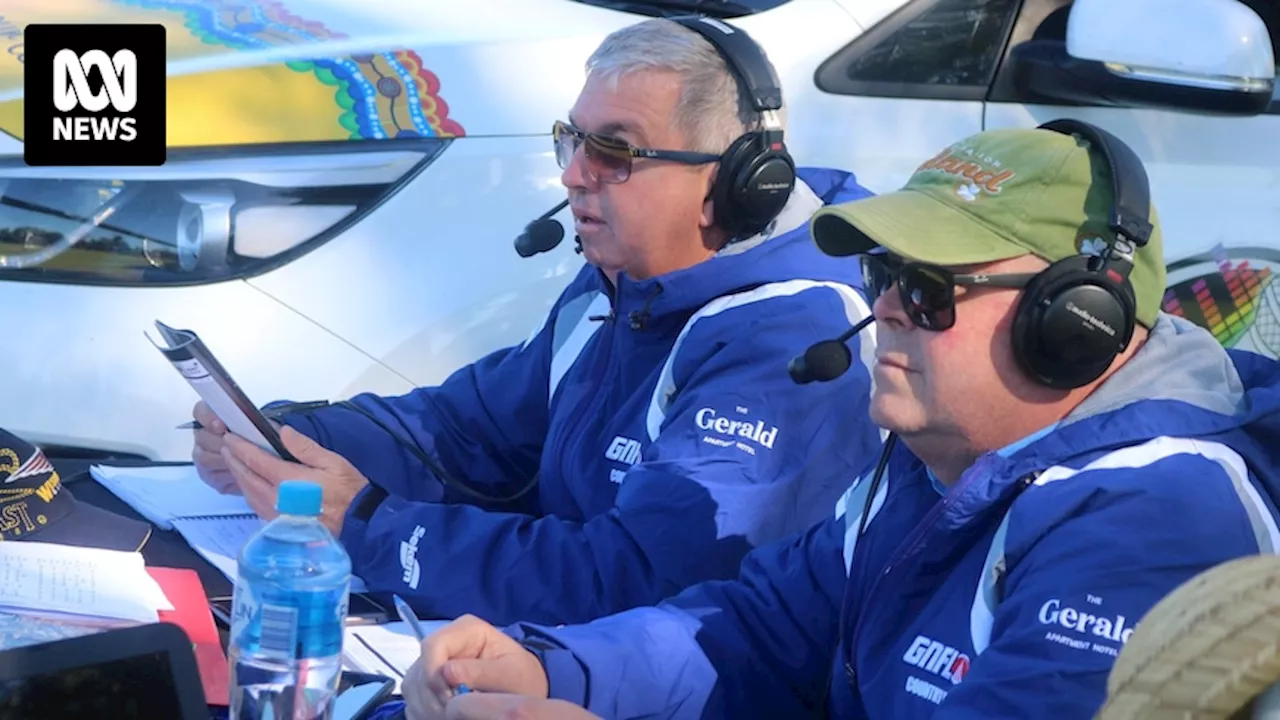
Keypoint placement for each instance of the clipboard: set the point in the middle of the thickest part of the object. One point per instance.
(197, 365)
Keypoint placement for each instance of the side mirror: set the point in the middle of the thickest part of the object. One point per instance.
(1211, 56)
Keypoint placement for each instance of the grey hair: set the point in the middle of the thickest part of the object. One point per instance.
(712, 111)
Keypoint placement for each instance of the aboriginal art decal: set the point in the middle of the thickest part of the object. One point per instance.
(384, 95)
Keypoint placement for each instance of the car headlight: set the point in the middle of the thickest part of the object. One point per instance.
(204, 216)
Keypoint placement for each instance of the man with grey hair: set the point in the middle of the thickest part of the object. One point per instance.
(646, 436)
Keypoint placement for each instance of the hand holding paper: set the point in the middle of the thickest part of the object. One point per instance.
(210, 436)
(259, 475)
(189, 356)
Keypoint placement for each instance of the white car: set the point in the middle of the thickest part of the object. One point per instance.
(345, 178)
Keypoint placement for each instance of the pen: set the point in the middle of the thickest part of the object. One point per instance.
(407, 615)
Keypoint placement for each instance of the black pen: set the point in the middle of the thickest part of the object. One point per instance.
(272, 414)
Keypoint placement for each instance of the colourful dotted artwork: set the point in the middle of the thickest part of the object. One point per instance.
(387, 95)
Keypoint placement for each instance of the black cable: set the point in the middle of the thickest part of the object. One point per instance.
(872, 488)
(434, 466)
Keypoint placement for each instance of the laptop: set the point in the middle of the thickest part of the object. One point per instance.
(146, 671)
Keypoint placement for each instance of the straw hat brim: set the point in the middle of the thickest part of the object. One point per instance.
(1205, 651)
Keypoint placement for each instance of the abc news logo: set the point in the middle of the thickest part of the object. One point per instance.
(71, 91)
(94, 95)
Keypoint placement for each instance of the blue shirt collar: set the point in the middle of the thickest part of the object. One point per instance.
(1005, 451)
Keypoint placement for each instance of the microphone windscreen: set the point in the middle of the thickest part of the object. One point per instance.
(827, 360)
(539, 236)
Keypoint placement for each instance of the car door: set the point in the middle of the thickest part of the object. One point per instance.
(1215, 180)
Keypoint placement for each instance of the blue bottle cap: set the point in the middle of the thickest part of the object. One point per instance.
(298, 497)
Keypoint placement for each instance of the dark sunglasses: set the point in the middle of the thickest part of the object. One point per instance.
(609, 159)
(928, 292)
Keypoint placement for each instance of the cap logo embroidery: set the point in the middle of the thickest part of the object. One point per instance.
(981, 173)
(9, 463)
(37, 464)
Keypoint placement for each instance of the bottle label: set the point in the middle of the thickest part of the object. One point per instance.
(279, 631)
(287, 624)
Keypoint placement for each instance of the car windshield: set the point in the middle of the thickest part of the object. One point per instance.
(715, 8)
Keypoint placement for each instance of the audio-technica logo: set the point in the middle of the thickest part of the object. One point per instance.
(94, 94)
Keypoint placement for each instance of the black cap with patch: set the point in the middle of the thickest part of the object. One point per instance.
(35, 506)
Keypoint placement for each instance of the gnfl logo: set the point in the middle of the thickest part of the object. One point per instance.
(94, 94)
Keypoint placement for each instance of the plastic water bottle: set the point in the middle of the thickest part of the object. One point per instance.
(289, 607)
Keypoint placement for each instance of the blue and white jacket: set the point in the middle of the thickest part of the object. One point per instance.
(659, 418)
(1008, 597)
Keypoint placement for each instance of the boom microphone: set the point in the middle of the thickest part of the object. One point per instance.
(542, 234)
(826, 360)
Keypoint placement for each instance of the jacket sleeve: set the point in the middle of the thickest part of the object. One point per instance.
(1120, 540)
(484, 426)
(694, 504)
(758, 646)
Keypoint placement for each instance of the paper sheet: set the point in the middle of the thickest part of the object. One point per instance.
(221, 403)
(384, 649)
(164, 493)
(220, 539)
(189, 356)
(48, 579)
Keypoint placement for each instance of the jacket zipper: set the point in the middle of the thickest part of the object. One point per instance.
(905, 548)
(583, 409)
(918, 535)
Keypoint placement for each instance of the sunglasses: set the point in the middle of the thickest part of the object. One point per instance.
(928, 292)
(609, 159)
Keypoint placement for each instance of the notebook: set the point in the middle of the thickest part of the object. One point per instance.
(78, 584)
(387, 649)
(173, 497)
(167, 493)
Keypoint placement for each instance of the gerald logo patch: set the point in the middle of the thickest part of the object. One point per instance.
(745, 435)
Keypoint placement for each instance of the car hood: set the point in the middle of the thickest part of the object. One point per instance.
(271, 71)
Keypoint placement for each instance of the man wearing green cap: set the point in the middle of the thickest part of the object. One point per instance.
(1063, 455)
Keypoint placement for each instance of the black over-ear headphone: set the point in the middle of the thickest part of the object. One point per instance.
(1077, 315)
(756, 174)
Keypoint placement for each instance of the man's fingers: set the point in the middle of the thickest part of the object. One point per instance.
(498, 674)
(258, 491)
(204, 415)
(308, 451)
(208, 459)
(463, 638)
(500, 706)
(484, 706)
(209, 441)
(259, 461)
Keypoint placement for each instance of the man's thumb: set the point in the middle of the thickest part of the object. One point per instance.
(307, 451)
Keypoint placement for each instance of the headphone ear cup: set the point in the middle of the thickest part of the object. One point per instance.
(752, 185)
(724, 196)
(1071, 323)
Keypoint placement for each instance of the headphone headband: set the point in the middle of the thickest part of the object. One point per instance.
(1131, 204)
(743, 57)
(756, 174)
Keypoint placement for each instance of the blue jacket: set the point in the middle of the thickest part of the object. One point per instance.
(1008, 597)
(659, 419)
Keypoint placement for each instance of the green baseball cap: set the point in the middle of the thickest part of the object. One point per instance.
(993, 196)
